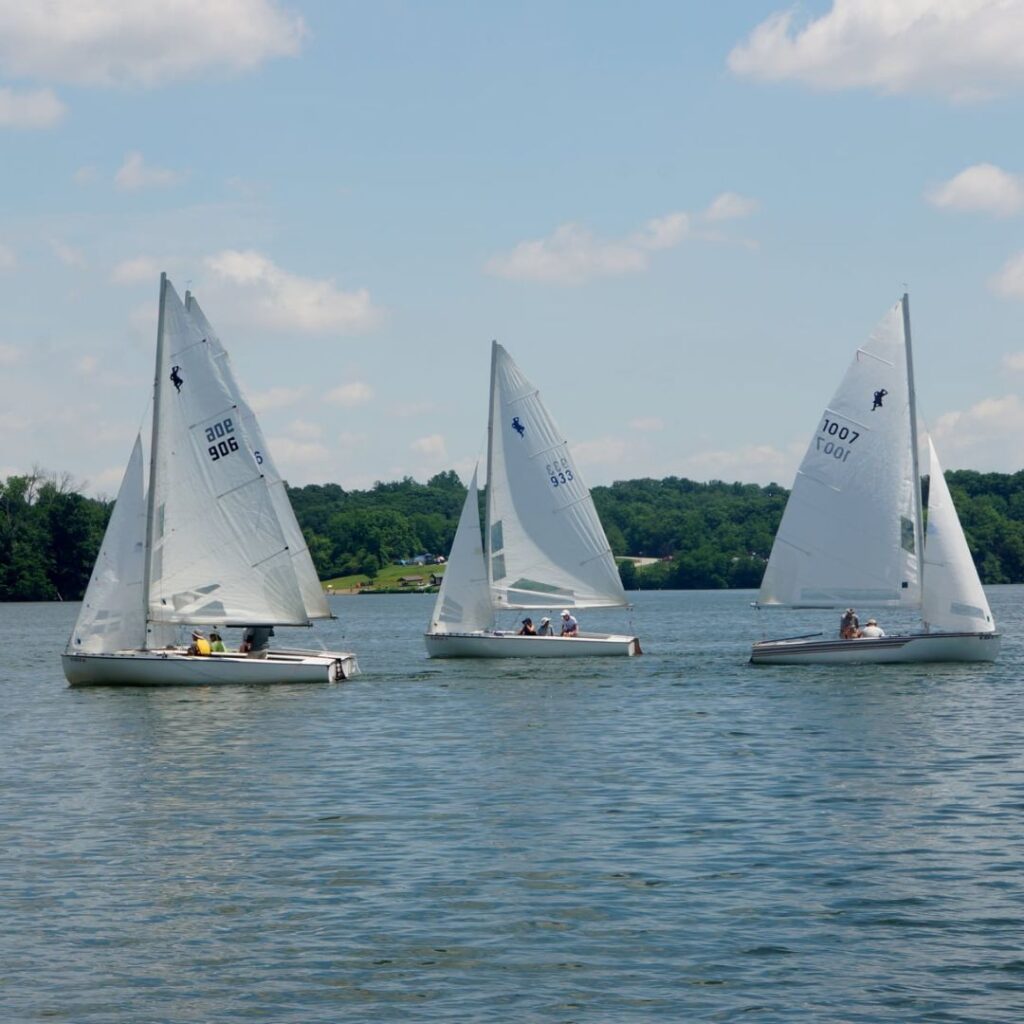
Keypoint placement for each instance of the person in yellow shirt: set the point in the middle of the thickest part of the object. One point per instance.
(200, 645)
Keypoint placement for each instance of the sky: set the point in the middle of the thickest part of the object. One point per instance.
(680, 218)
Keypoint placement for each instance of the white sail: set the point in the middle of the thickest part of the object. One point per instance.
(953, 598)
(464, 600)
(217, 553)
(850, 530)
(113, 617)
(313, 596)
(546, 547)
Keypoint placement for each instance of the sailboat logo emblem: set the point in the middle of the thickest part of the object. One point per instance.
(518, 427)
(879, 395)
(176, 378)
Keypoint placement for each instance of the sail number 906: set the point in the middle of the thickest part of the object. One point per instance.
(840, 451)
(559, 472)
(222, 435)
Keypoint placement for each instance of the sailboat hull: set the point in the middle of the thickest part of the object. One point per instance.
(886, 650)
(175, 668)
(511, 645)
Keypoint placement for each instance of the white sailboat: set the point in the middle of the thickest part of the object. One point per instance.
(545, 548)
(212, 542)
(852, 531)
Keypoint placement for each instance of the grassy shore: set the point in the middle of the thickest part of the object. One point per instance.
(387, 579)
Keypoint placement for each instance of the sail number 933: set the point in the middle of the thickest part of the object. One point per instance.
(559, 472)
(221, 439)
(837, 440)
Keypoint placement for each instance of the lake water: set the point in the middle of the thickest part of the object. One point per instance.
(677, 837)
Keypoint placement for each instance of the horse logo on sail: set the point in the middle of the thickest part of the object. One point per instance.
(518, 427)
(879, 395)
(176, 379)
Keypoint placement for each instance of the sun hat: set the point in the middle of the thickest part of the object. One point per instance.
(565, 613)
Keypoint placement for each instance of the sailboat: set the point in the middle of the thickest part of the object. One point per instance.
(211, 542)
(545, 548)
(852, 533)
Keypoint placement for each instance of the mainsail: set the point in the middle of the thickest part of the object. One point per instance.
(851, 530)
(953, 598)
(545, 543)
(313, 596)
(464, 601)
(112, 616)
(217, 553)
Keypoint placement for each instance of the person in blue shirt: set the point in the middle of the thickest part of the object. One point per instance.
(570, 627)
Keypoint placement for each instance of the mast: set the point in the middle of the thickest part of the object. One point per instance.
(490, 468)
(153, 449)
(914, 455)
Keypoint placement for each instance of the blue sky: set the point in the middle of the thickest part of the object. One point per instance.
(680, 219)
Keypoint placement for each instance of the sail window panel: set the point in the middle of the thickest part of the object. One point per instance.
(497, 567)
(497, 536)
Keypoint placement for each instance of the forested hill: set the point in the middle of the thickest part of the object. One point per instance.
(709, 535)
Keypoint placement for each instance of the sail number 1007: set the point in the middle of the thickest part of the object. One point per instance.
(222, 436)
(839, 448)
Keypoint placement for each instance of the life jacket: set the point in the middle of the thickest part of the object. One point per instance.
(202, 645)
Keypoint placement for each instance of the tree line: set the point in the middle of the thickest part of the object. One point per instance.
(704, 535)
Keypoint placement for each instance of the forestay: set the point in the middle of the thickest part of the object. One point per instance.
(217, 551)
(545, 543)
(464, 601)
(850, 531)
(112, 616)
(313, 597)
(953, 597)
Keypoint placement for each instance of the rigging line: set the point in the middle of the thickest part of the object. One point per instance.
(207, 419)
(238, 487)
(544, 451)
(871, 355)
(273, 554)
(523, 397)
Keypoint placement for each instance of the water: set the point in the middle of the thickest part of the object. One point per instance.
(678, 837)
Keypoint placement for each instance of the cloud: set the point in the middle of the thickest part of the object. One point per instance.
(1009, 282)
(288, 450)
(431, 446)
(85, 175)
(1014, 361)
(349, 395)
(67, 254)
(959, 49)
(982, 188)
(349, 441)
(134, 174)
(983, 436)
(272, 297)
(275, 398)
(38, 108)
(647, 424)
(9, 354)
(136, 270)
(605, 451)
(124, 42)
(8, 261)
(572, 254)
(304, 429)
(87, 365)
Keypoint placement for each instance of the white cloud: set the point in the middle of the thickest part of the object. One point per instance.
(136, 270)
(85, 175)
(350, 441)
(960, 49)
(981, 188)
(124, 42)
(39, 108)
(348, 395)
(134, 173)
(272, 297)
(275, 398)
(1014, 361)
(605, 451)
(647, 424)
(730, 206)
(9, 354)
(87, 365)
(8, 261)
(984, 436)
(287, 450)
(68, 255)
(431, 446)
(1009, 282)
(304, 429)
(572, 254)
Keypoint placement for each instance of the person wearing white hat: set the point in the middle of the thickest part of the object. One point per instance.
(545, 628)
(570, 627)
(872, 629)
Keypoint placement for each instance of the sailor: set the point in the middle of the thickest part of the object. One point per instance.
(527, 629)
(872, 629)
(200, 645)
(570, 627)
(545, 628)
(849, 625)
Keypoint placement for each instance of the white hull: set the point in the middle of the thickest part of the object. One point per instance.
(886, 650)
(511, 645)
(175, 668)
